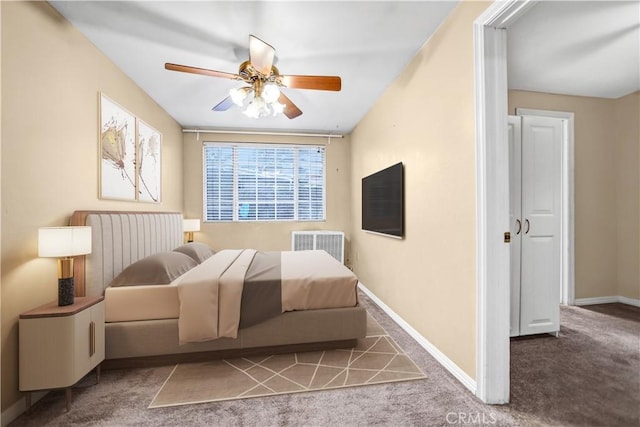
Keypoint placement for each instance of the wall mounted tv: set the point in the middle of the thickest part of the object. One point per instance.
(383, 201)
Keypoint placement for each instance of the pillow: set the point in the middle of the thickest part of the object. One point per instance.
(158, 269)
(196, 250)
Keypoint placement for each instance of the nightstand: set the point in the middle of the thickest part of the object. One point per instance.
(60, 344)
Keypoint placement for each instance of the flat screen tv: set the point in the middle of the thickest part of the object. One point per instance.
(383, 201)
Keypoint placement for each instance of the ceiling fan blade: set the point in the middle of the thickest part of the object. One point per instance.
(224, 105)
(312, 82)
(203, 71)
(290, 109)
(261, 55)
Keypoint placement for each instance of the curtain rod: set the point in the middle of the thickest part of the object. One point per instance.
(240, 132)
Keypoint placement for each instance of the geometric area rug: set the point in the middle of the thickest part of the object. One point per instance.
(376, 359)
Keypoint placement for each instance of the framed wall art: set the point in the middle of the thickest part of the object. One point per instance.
(117, 151)
(130, 156)
(148, 163)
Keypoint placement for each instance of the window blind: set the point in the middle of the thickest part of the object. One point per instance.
(263, 182)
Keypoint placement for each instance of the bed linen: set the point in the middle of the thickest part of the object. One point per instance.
(261, 297)
(242, 283)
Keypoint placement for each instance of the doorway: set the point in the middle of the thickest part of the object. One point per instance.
(492, 199)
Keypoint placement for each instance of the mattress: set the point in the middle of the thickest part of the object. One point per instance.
(151, 302)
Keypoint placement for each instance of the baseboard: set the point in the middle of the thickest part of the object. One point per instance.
(629, 301)
(19, 408)
(448, 364)
(607, 300)
(595, 300)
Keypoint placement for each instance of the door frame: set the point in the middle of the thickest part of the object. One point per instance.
(567, 240)
(492, 198)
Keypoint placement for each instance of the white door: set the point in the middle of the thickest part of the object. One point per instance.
(515, 215)
(535, 150)
(540, 275)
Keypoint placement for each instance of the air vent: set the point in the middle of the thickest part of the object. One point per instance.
(330, 241)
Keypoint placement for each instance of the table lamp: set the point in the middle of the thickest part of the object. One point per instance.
(64, 243)
(189, 226)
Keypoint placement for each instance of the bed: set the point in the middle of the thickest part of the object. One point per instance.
(142, 328)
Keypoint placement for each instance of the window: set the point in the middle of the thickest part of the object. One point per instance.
(264, 182)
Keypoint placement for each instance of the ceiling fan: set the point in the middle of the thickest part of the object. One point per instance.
(263, 96)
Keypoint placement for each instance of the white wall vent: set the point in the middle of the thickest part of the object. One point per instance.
(330, 241)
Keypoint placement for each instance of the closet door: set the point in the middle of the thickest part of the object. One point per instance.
(540, 274)
(515, 215)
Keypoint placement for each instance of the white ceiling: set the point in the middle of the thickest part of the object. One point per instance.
(366, 43)
(586, 48)
(581, 48)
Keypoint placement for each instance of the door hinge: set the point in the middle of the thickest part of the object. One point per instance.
(507, 237)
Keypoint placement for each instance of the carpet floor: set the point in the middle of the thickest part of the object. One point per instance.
(589, 376)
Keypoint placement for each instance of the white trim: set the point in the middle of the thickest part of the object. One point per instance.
(492, 199)
(447, 363)
(19, 408)
(596, 300)
(629, 301)
(568, 205)
(504, 13)
(608, 300)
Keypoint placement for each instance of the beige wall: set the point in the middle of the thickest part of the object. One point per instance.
(627, 125)
(606, 189)
(426, 120)
(268, 235)
(51, 77)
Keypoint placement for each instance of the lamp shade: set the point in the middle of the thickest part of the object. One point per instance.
(191, 225)
(64, 241)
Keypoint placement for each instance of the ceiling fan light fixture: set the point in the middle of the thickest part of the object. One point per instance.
(264, 103)
(238, 96)
(262, 96)
(278, 108)
(257, 108)
(270, 93)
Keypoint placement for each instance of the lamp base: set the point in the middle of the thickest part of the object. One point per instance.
(65, 291)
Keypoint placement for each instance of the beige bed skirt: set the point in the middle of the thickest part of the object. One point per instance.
(160, 337)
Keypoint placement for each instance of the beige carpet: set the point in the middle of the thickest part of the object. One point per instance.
(376, 359)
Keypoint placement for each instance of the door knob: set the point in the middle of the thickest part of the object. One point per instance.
(528, 225)
(519, 224)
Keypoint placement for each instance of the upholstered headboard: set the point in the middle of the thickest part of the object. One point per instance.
(119, 239)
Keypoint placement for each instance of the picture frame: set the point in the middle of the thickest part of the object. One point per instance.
(130, 155)
(117, 151)
(148, 163)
